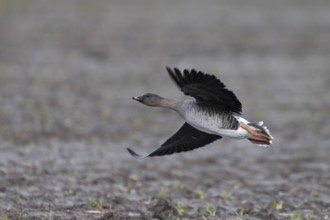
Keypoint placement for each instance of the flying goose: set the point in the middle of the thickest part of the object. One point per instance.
(214, 113)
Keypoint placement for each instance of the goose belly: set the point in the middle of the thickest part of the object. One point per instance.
(214, 124)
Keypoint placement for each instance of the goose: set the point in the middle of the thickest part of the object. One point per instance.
(215, 112)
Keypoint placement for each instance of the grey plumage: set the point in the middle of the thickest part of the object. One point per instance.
(214, 113)
(211, 115)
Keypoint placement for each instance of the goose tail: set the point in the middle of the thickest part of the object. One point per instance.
(258, 133)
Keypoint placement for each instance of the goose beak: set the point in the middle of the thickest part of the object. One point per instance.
(137, 98)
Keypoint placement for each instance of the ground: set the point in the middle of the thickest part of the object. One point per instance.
(68, 70)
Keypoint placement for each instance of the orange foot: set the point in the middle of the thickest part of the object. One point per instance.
(255, 133)
(258, 142)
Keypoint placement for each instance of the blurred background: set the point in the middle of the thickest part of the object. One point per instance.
(68, 70)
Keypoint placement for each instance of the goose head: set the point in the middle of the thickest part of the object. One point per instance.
(149, 99)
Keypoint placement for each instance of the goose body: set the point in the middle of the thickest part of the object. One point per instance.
(212, 122)
(214, 113)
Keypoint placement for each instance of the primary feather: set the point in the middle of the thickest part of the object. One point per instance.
(206, 89)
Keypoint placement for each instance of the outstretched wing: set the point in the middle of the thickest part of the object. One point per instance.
(206, 89)
(185, 139)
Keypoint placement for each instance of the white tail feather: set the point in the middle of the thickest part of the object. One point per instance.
(260, 123)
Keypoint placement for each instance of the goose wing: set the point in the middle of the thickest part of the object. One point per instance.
(206, 89)
(185, 139)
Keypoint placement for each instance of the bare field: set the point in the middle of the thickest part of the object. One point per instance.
(68, 70)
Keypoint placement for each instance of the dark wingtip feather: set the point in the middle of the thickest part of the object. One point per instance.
(178, 74)
(186, 75)
(176, 70)
(135, 155)
(193, 74)
(205, 87)
(175, 76)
